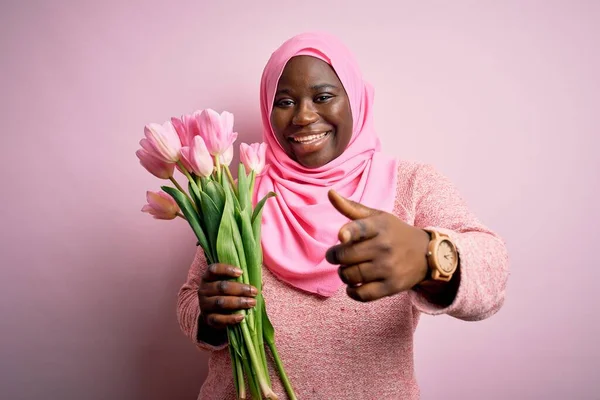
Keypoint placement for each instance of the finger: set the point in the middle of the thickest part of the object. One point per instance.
(359, 274)
(222, 304)
(358, 230)
(223, 320)
(368, 292)
(349, 208)
(351, 253)
(217, 272)
(226, 288)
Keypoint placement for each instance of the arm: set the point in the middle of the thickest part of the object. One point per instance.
(478, 287)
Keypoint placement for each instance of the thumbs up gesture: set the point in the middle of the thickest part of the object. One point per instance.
(379, 254)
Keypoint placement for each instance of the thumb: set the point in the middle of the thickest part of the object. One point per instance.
(349, 208)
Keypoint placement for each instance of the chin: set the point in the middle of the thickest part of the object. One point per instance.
(315, 161)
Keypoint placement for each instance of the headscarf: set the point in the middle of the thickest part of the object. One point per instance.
(300, 223)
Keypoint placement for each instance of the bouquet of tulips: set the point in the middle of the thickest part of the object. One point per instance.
(220, 212)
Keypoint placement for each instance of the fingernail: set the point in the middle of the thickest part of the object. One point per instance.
(345, 236)
(237, 271)
(239, 317)
(250, 302)
(253, 291)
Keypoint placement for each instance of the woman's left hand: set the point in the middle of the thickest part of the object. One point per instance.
(379, 255)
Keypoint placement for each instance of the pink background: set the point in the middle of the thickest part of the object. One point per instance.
(501, 96)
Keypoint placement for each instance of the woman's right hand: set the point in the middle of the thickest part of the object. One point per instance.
(219, 296)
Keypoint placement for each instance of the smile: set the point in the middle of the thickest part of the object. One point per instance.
(309, 139)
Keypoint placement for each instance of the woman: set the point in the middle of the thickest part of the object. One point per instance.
(355, 244)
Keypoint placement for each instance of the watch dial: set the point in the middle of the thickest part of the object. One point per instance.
(447, 256)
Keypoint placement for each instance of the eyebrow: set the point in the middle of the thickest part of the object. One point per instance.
(323, 86)
(315, 88)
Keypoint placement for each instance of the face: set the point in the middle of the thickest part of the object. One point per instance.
(311, 114)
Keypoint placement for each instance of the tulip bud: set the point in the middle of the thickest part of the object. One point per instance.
(253, 156)
(164, 140)
(197, 159)
(155, 166)
(225, 158)
(160, 205)
(217, 130)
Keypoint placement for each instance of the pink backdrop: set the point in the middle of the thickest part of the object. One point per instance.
(501, 96)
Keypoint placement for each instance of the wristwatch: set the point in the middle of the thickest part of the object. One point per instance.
(442, 257)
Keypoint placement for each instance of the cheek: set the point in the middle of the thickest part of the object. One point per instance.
(344, 128)
(277, 122)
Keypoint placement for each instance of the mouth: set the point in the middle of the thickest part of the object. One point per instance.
(309, 139)
(303, 145)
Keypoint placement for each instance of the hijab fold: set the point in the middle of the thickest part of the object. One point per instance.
(300, 224)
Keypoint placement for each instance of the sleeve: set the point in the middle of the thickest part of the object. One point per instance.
(188, 308)
(483, 269)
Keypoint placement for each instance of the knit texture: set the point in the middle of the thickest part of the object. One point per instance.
(338, 348)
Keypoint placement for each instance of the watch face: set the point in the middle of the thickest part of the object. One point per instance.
(446, 256)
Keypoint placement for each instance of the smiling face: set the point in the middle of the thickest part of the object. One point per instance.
(311, 115)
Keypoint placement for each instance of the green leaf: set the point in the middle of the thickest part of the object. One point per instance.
(235, 363)
(251, 375)
(256, 223)
(211, 217)
(253, 257)
(226, 249)
(194, 194)
(243, 188)
(204, 181)
(259, 206)
(192, 217)
(268, 330)
(227, 187)
(260, 303)
(217, 194)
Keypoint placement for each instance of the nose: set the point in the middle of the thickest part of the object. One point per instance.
(305, 114)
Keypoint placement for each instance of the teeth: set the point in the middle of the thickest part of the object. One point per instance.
(311, 138)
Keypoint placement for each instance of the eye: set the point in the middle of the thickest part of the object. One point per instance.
(323, 98)
(284, 103)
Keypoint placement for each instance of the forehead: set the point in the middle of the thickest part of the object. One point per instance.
(307, 71)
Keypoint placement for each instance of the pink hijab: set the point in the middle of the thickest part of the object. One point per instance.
(300, 224)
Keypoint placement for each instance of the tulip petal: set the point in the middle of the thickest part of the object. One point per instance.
(164, 140)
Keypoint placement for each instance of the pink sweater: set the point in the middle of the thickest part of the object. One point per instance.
(338, 348)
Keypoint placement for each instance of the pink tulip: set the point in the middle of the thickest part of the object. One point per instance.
(217, 130)
(197, 159)
(164, 140)
(187, 127)
(155, 166)
(160, 205)
(253, 156)
(225, 158)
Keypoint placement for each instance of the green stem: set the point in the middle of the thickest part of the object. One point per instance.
(256, 364)
(284, 379)
(252, 181)
(218, 170)
(250, 374)
(231, 180)
(189, 177)
(236, 363)
(192, 182)
(178, 186)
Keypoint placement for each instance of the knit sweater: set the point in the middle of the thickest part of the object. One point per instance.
(338, 348)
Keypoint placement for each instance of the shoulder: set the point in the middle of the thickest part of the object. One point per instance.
(414, 181)
(413, 175)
